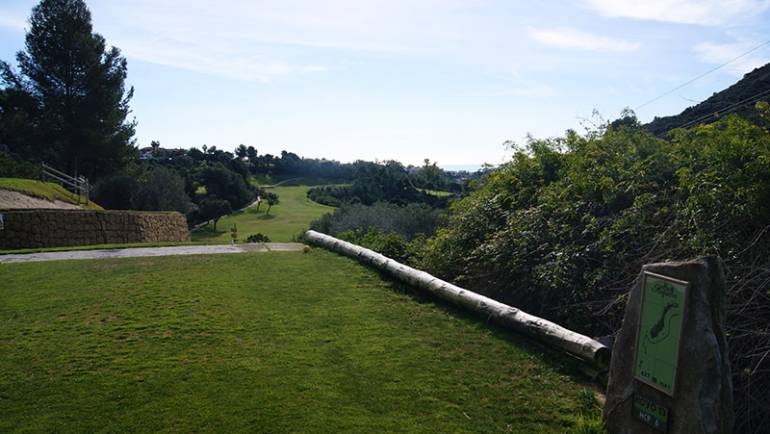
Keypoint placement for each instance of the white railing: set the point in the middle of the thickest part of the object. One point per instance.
(77, 185)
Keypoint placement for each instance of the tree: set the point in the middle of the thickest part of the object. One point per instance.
(430, 176)
(251, 152)
(253, 156)
(225, 184)
(214, 209)
(196, 154)
(239, 166)
(70, 92)
(115, 192)
(272, 199)
(161, 190)
(241, 151)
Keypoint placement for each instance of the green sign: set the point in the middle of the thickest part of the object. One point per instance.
(660, 328)
(652, 414)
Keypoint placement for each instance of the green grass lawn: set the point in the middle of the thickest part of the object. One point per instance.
(286, 220)
(44, 190)
(270, 342)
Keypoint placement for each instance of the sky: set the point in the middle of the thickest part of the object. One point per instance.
(448, 80)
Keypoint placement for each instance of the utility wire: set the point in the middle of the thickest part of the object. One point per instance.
(728, 109)
(703, 75)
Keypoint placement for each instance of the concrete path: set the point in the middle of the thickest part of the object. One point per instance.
(137, 252)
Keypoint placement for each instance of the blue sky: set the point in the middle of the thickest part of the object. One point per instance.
(448, 80)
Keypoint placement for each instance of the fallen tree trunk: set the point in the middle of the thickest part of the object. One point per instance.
(543, 330)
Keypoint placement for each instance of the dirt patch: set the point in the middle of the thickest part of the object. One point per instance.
(285, 247)
(16, 200)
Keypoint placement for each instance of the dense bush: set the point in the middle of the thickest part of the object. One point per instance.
(222, 183)
(373, 182)
(161, 189)
(390, 244)
(330, 195)
(156, 189)
(115, 192)
(258, 238)
(564, 227)
(13, 167)
(408, 221)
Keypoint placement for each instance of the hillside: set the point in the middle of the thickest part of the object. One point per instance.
(30, 193)
(738, 98)
(262, 342)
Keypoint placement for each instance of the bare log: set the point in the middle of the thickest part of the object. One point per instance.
(543, 330)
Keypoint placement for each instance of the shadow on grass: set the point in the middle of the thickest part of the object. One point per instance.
(208, 232)
(265, 217)
(559, 361)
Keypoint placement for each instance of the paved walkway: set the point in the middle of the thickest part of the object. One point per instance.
(151, 251)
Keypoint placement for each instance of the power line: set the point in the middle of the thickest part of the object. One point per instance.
(728, 109)
(703, 75)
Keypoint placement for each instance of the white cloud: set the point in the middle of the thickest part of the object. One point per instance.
(573, 38)
(718, 54)
(263, 40)
(704, 12)
(235, 63)
(12, 22)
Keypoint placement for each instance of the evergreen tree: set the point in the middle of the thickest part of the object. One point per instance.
(251, 153)
(241, 151)
(68, 102)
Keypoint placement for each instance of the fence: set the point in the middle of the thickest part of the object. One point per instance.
(78, 186)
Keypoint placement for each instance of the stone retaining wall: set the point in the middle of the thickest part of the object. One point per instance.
(32, 228)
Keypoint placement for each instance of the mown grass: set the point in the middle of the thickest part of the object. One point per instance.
(277, 342)
(285, 222)
(43, 190)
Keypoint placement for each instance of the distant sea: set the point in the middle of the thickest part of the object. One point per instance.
(459, 167)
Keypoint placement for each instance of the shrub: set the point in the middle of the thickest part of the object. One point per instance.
(161, 189)
(116, 191)
(12, 167)
(386, 182)
(564, 227)
(327, 195)
(223, 183)
(257, 238)
(389, 244)
(408, 221)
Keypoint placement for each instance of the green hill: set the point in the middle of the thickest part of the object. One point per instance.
(43, 190)
(738, 98)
